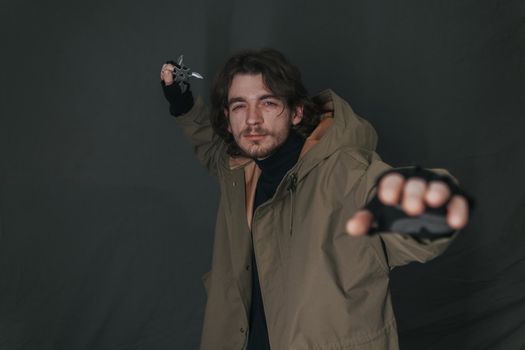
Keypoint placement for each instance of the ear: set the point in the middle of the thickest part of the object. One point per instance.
(297, 115)
(226, 114)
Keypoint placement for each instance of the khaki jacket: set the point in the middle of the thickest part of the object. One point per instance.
(322, 289)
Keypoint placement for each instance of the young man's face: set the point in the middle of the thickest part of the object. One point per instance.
(258, 120)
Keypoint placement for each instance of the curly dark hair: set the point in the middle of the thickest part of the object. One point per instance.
(281, 77)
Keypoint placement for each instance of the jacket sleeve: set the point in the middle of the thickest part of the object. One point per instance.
(401, 249)
(196, 125)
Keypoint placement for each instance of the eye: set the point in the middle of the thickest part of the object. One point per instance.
(236, 107)
(270, 103)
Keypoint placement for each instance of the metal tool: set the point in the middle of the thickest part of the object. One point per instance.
(182, 74)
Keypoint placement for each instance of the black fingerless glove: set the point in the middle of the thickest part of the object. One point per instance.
(431, 223)
(180, 103)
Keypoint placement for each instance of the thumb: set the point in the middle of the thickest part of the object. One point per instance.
(166, 74)
(359, 223)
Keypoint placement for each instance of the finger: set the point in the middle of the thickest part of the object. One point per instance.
(391, 188)
(360, 223)
(413, 193)
(167, 66)
(457, 215)
(167, 78)
(162, 69)
(437, 194)
(166, 74)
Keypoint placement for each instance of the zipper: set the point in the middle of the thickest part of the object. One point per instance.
(291, 187)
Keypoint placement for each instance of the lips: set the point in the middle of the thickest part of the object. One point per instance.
(254, 137)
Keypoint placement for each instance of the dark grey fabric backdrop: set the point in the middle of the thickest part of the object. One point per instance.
(106, 220)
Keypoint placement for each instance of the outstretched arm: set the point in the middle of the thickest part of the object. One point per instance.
(412, 199)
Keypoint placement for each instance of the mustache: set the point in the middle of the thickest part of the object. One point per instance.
(254, 131)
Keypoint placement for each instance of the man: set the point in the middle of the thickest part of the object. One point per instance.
(293, 266)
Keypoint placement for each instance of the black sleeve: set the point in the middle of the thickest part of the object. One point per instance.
(180, 103)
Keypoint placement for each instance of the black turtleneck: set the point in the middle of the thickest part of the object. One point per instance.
(273, 169)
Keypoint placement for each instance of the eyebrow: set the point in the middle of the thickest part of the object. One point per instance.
(260, 98)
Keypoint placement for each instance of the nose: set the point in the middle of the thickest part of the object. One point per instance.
(254, 116)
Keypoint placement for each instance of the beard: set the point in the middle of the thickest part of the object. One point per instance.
(257, 142)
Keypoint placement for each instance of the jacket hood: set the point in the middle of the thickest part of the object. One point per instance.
(340, 127)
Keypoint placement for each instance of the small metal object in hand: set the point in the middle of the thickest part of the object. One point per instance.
(182, 73)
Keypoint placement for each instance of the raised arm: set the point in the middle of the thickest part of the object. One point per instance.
(193, 117)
